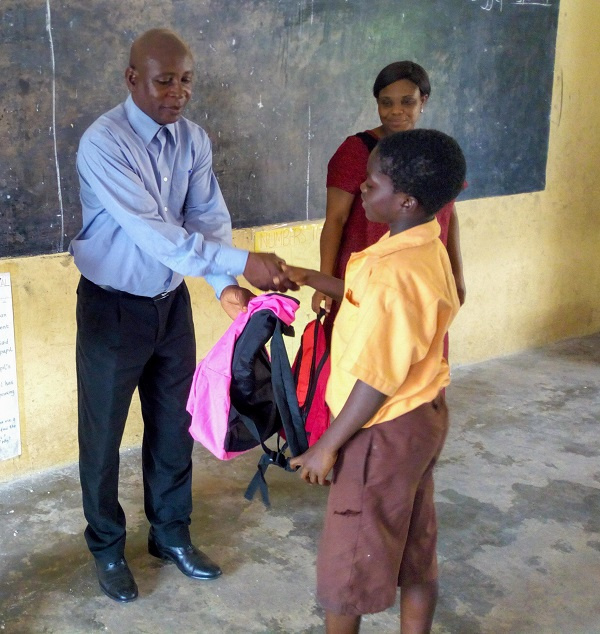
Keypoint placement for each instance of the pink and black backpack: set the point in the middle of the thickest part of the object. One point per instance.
(241, 396)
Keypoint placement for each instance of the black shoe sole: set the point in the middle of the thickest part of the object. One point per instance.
(155, 552)
(117, 600)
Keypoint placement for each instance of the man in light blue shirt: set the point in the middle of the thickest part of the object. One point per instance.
(152, 214)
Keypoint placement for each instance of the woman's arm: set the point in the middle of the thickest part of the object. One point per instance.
(339, 204)
(455, 255)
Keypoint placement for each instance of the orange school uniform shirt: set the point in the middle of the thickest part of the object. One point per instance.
(399, 300)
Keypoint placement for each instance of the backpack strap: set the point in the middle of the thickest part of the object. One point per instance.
(284, 392)
(315, 371)
(368, 139)
(259, 482)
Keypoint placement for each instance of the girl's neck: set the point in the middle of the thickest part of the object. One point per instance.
(407, 223)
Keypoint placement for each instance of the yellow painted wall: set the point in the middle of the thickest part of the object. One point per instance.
(530, 262)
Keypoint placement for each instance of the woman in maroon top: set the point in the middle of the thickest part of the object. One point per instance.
(401, 90)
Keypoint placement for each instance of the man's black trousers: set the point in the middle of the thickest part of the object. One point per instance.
(123, 342)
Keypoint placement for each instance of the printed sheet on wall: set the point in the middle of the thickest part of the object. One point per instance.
(10, 436)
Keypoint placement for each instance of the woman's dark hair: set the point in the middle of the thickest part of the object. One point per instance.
(403, 70)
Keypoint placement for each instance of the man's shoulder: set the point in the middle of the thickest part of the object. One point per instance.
(192, 130)
(108, 125)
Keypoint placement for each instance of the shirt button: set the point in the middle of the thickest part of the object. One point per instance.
(166, 209)
(165, 179)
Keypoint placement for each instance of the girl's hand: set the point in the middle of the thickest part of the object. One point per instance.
(295, 274)
(321, 300)
(315, 464)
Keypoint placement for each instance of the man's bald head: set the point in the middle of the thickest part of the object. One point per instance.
(154, 42)
(160, 73)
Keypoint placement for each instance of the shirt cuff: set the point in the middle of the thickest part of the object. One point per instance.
(219, 282)
(231, 261)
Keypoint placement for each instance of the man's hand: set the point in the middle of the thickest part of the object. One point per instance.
(315, 464)
(262, 269)
(234, 300)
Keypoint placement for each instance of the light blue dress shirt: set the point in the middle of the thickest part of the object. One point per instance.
(148, 221)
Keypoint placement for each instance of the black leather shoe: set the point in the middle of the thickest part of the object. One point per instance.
(116, 581)
(191, 561)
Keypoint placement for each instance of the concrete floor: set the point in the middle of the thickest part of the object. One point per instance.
(518, 491)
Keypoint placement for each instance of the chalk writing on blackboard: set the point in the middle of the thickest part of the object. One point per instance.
(10, 436)
(60, 199)
(488, 5)
(309, 137)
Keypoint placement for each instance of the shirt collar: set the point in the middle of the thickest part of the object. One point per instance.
(413, 237)
(143, 125)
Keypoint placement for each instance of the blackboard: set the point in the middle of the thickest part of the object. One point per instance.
(280, 84)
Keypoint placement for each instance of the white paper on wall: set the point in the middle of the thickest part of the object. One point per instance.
(10, 433)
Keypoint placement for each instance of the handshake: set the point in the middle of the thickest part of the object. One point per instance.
(268, 272)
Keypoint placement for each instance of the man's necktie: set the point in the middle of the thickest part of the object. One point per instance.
(161, 147)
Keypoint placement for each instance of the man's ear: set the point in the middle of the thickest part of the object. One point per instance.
(131, 77)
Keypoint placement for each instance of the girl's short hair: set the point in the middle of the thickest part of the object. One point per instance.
(426, 164)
